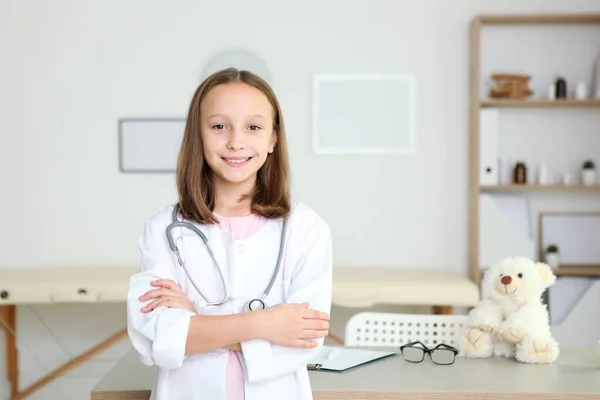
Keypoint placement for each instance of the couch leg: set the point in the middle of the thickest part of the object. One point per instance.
(443, 310)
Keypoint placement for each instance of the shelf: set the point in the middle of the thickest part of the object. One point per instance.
(582, 271)
(516, 187)
(543, 19)
(572, 270)
(539, 103)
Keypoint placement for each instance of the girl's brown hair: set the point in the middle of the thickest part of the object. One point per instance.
(271, 195)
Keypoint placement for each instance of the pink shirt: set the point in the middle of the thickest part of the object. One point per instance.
(240, 228)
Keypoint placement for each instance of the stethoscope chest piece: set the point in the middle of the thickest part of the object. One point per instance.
(254, 305)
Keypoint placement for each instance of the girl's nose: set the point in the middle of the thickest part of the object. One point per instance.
(235, 142)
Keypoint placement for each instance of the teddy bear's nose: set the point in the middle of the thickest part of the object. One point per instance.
(506, 280)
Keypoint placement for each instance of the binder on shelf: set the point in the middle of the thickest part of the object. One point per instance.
(488, 147)
(341, 359)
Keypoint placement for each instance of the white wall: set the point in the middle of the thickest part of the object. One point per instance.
(70, 69)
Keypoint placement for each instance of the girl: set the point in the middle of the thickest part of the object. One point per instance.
(234, 236)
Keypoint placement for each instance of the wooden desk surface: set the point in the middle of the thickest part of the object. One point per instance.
(576, 375)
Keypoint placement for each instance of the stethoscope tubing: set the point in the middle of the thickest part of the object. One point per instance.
(226, 297)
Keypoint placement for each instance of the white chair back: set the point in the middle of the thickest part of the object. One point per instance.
(370, 329)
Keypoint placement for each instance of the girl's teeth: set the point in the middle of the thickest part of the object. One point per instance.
(237, 161)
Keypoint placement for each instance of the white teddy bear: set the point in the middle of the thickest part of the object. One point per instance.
(510, 320)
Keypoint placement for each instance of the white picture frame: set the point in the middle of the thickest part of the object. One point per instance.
(363, 114)
(575, 233)
(150, 145)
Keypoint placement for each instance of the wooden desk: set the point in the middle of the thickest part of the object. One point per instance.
(20, 286)
(576, 375)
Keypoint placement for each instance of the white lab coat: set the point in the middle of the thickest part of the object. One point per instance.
(271, 371)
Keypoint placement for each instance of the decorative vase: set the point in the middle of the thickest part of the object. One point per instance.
(588, 176)
(553, 260)
(506, 171)
(543, 174)
(561, 88)
(581, 91)
(552, 92)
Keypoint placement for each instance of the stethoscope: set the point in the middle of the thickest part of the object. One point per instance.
(251, 305)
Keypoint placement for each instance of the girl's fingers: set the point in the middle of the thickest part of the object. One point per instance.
(156, 293)
(316, 324)
(305, 344)
(314, 334)
(315, 314)
(167, 283)
(173, 301)
(150, 307)
(163, 301)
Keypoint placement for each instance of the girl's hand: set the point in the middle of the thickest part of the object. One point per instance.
(293, 325)
(168, 295)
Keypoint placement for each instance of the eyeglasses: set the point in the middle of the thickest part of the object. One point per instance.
(442, 354)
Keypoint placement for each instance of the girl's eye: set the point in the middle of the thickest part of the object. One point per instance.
(219, 126)
(254, 127)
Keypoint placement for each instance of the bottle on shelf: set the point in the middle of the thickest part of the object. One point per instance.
(543, 174)
(561, 88)
(520, 173)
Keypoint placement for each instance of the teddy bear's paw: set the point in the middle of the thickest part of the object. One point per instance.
(514, 335)
(543, 352)
(476, 343)
(486, 328)
(538, 352)
(502, 348)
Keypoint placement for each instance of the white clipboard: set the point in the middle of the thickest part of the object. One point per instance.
(340, 359)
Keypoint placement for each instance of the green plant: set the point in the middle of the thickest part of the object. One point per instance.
(589, 164)
(552, 249)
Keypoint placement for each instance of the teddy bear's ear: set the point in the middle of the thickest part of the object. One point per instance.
(546, 274)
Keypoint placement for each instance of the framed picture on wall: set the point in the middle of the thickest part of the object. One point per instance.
(573, 238)
(150, 145)
(363, 114)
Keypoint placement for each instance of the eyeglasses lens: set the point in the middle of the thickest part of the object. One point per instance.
(413, 354)
(442, 356)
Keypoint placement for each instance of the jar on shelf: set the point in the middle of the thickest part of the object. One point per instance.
(561, 88)
(520, 173)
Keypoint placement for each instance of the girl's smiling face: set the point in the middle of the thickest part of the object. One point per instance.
(237, 132)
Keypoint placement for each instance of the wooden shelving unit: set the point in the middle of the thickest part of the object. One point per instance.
(477, 103)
